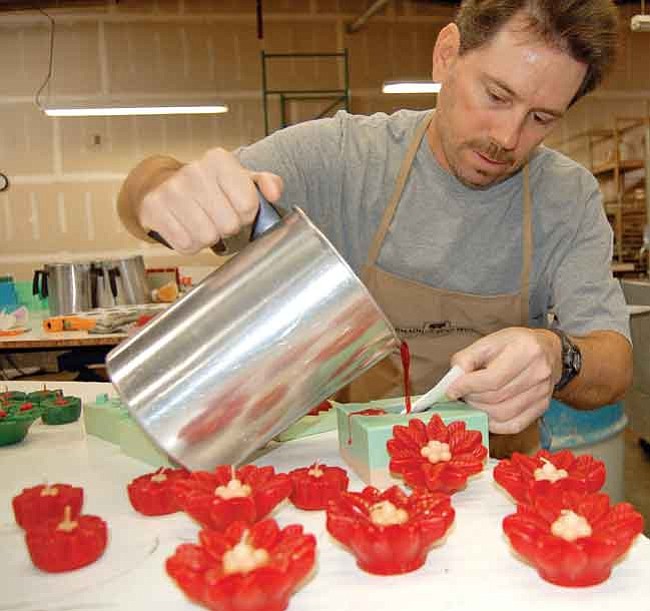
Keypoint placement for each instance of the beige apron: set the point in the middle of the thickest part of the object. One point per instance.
(437, 323)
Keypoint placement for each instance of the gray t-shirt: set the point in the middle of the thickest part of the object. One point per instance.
(342, 171)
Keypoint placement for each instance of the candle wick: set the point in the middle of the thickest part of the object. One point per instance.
(67, 524)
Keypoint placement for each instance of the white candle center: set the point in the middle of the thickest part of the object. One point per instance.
(243, 558)
(315, 471)
(548, 471)
(571, 526)
(159, 478)
(436, 451)
(233, 489)
(385, 513)
(49, 491)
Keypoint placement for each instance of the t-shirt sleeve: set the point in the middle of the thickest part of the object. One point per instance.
(308, 158)
(586, 295)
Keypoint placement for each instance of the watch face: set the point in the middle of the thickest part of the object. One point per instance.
(577, 360)
(4, 182)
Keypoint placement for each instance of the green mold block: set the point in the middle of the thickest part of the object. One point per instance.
(108, 419)
(310, 425)
(135, 443)
(362, 439)
(102, 418)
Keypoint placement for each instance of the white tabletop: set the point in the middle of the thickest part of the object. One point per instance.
(474, 569)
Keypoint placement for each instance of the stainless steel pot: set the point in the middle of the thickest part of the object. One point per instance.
(119, 282)
(276, 330)
(66, 285)
(103, 282)
(132, 285)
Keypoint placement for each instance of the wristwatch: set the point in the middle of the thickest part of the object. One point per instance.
(571, 359)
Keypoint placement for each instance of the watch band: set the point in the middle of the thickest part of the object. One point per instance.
(571, 359)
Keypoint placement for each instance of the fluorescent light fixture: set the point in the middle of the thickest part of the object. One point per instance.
(411, 86)
(122, 110)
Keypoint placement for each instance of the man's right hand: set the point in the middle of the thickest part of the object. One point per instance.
(206, 200)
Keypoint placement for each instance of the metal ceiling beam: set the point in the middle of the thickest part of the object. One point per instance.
(360, 21)
(24, 5)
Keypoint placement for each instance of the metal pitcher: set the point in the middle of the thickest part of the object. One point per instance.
(67, 286)
(118, 282)
(279, 328)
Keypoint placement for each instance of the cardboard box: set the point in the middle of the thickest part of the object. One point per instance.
(362, 439)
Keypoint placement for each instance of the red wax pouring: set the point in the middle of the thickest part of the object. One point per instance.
(405, 354)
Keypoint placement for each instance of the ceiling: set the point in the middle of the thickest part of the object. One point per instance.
(18, 5)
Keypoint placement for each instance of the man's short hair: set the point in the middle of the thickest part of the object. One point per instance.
(585, 29)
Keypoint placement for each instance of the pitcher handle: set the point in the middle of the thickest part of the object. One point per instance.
(267, 217)
(35, 285)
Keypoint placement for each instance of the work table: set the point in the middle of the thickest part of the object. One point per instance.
(473, 569)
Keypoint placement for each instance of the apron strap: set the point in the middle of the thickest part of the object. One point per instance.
(389, 213)
(402, 177)
(526, 247)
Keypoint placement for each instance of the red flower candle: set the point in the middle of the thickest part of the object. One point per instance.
(435, 456)
(314, 486)
(245, 568)
(389, 532)
(527, 476)
(216, 499)
(573, 538)
(153, 494)
(65, 544)
(34, 506)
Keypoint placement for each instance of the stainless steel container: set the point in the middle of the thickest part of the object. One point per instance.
(66, 285)
(132, 285)
(279, 328)
(118, 282)
(103, 282)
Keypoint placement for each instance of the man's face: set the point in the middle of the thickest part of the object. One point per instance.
(498, 102)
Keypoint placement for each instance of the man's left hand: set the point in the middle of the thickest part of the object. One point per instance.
(510, 376)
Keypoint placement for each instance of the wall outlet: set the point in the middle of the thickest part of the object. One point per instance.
(96, 142)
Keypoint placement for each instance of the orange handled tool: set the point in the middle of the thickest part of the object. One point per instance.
(68, 323)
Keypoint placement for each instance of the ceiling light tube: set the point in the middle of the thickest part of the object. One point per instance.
(108, 111)
(410, 86)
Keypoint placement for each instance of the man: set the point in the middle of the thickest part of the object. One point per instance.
(465, 229)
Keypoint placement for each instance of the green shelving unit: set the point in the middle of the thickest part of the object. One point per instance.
(332, 99)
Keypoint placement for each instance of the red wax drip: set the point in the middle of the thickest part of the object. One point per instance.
(405, 353)
(364, 412)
